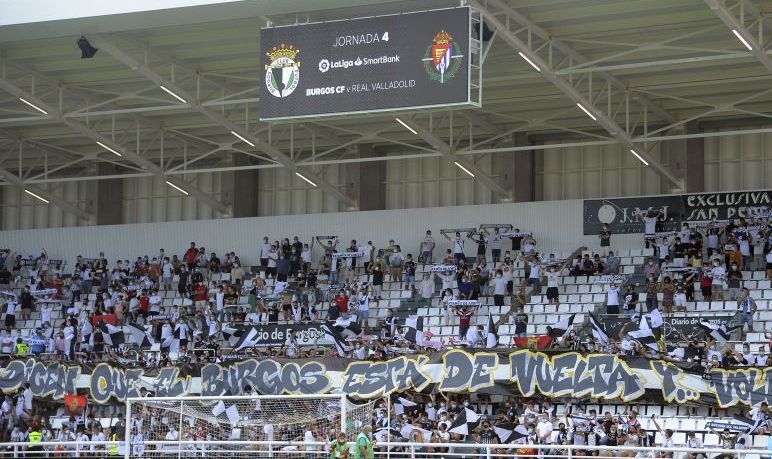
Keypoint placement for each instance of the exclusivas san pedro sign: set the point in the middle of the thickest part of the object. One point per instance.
(519, 373)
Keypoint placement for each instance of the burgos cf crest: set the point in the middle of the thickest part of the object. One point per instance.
(282, 75)
(441, 60)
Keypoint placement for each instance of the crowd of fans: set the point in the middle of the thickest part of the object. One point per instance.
(333, 281)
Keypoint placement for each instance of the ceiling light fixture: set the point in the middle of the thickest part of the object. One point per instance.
(35, 196)
(306, 179)
(173, 94)
(109, 149)
(243, 139)
(520, 53)
(177, 188)
(742, 40)
(587, 112)
(406, 126)
(33, 105)
(463, 168)
(639, 157)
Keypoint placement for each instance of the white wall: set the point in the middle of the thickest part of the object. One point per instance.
(556, 225)
(283, 193)
(148, 199)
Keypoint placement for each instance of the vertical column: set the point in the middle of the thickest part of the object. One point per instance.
(695, 160)
(105, 197)
(2, 208)
(515, 170)
(366, 181)
(239, 188)
(686, 160)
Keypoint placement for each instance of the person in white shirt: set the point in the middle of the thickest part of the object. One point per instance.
(45, 312)
(138, 442)
(171, 435)
(458, 249)
(308, 439)
(363, 301)
(534, 277)
(82, 440)
(167, 273)
(553, 282)
(97, 436)
(426, 248)
(28, 397)
(447, 297)
(219, 303)
(718, 273)
(544, 429)
(499, 287)
(612, 299)
(427, 286)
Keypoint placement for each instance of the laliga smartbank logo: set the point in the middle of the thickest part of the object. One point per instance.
(282, 75)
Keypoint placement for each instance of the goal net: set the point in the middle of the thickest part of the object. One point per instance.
(239, 425)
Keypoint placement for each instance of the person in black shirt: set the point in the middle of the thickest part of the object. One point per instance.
(410, 267)
(273, 313)
(521, 323)
(516, 241)
(333, 312)
(482, 242)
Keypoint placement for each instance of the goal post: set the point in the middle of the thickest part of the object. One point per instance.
(189, 426)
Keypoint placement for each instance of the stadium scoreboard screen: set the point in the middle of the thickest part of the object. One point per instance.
(381, 63)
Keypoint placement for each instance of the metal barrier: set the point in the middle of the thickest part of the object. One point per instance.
(318, 450)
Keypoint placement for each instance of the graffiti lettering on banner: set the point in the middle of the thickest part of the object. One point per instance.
(522, 373)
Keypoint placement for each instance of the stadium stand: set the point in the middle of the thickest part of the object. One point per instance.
(195, 307)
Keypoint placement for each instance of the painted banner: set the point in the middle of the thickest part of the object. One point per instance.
(673, 325)
(521, 372)
(624, 215)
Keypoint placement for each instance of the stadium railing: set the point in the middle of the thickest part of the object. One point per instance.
(298, 449)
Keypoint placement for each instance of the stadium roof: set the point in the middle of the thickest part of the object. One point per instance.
(643, 68)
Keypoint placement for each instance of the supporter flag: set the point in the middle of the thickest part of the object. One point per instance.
(415, 329)
(418, 435)
(533, 342)
(683, 354)
(492, 337)
(720, 333)
(598, 332)
(645, 336)
(141, 336)
(562, 327)
(112, 336)
(231, 334)
(334, 335)
(750, 425)
(388, 433)
(75, 405)
(657, 323)
(172, 342)
(509, 432)
(86, 333)
(464, 422)
(348, 328)
(404, 405)
(249, 338)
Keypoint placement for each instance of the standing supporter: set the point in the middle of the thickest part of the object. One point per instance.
(612, 299)
(605, 239)
(427, 248)
(410, 268)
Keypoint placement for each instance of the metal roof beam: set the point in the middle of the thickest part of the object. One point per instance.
(125, 153)
(449, 153)
(539, 32)
(581, 91)
(107, 46)
(745, 20)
